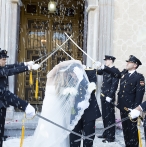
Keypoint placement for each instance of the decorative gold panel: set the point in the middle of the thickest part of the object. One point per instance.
(40, 32)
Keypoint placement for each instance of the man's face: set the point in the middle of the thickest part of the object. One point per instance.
(3, 62)
(108, 62)
(131, 66)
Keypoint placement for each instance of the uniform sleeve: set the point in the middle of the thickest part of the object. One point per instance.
(99, 72)
(143, 106)
(14, 65)
(140, 90)
(114, 87)
(113, 71)
(91, 74)
(12, 71)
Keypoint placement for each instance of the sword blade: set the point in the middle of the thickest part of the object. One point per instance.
(79, 48)
(55, 50)
(125, 108)
(65, 52)
(62, 127)
(50, 52)
(122, 120)
(42, 57)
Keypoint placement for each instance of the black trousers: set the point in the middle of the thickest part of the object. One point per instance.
(108, 116)
(13, 100)
(130, 131)
(85, 128)
(2, 124)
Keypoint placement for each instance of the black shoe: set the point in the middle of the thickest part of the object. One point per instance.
(101, 136)
(4, 138)
(107, 140)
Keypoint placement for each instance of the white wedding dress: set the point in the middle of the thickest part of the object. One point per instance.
(45, 133)
(67, 95)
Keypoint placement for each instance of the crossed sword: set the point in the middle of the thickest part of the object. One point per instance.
(70, 131)
(60, 47)
(82, 136)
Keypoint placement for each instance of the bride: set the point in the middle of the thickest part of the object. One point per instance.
(66, 97)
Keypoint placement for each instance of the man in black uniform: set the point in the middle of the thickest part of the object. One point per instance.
(130, 96)
(108, 88)
(6, 97)
(86, 124)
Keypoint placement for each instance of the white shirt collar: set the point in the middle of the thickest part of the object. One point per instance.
(131, 72)
(111, 66)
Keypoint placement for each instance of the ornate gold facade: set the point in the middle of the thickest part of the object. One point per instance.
(40, 32)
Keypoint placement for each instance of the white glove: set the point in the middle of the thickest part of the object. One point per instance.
(30, 111)
(108, 99)
(134, 113)
(129, 109)
(35, 66)
(97, 64)
(78, 73)
(30, 63)
(84, 66)
(102, 66)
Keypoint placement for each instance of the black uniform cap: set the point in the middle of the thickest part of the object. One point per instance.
(134, 60)
(3, 54)
(109, 58)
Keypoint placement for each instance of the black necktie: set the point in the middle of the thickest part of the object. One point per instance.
(129, 74)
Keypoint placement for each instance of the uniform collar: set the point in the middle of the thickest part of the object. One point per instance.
(131, 72)
(111, 66)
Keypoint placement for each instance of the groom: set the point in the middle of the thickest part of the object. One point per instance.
(86, 125)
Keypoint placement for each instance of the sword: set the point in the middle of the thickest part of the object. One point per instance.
(42, 57)
(54, 51)
(80, 48)
(122, 120)
(114, 123)
(109, 102)
(63, 127)
(65, 52)
(125, 108)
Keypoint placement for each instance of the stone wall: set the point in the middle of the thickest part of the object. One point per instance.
(129, 33)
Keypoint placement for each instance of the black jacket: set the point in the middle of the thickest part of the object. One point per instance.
(6, 71)
(92, 112)
(131, 88)
(109, 84)
(143, 106)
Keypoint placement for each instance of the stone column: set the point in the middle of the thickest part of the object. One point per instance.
(100, 27)
(13, 47)
(14, 38)
(85, 31)
(92, 38)
(106, 9)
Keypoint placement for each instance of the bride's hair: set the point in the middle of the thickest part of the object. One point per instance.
(64, 78)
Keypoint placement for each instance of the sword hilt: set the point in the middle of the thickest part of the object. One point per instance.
(125, 108)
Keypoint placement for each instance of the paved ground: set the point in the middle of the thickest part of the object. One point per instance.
(13, 129)
(119, 142)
